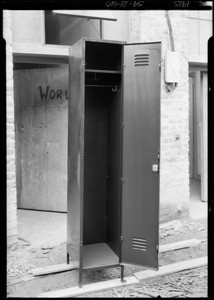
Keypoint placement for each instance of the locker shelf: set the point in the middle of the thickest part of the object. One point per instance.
(98, 255)
(102, 71)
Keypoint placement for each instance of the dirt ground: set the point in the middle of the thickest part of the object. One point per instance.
(189, 283)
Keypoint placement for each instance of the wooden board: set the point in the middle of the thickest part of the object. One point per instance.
(54, 269)
(41, 98)
(88, 288)
(179, 245)
(172, 268)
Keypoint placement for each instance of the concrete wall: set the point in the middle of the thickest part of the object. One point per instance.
(199, 31)
(11, 167)
(37, 26)
(68, 30)
(174, 177)
(117, 30)
(28, 26)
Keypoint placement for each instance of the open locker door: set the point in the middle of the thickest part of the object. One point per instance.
(140, 161)
(75, 152)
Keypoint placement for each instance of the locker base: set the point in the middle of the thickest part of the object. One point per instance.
(121, 273)
(99, 256)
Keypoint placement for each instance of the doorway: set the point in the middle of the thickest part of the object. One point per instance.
(41, 106)
(198, 135)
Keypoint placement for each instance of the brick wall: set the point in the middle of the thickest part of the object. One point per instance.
(10, 128)
(151, 26)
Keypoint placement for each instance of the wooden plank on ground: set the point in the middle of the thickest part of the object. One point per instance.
(54, 269)
(88, 288)
(172, 268)
(18, 280)
(179, 245)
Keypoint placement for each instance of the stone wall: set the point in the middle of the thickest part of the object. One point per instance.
(151, 26)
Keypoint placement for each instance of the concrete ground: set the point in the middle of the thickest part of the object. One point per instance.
(197, 208)
(42, 228)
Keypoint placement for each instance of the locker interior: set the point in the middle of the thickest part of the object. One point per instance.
(102, 155)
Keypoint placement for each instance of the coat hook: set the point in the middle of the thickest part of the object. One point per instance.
(115, 89)
(95, 77)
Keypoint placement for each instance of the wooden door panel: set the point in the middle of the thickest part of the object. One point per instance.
(41, 130)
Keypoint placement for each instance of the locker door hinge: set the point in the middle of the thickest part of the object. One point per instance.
(83, 63)
(124, 66)
(160, 64)
(82, 152)
(81, 243)
(122, 180)
(122, 125)
(121, 238)
(157, 248)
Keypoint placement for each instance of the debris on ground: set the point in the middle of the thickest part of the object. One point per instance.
(46, 251)
(123, 294)
(190, 283)
(47, 247)
(171, 228)
(26, 242)
(51, 258)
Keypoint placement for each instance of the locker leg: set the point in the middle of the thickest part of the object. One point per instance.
(122, 274)
(80, 278)
(67, 258)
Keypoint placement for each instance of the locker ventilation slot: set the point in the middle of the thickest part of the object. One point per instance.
(141, 60)
(138, 244)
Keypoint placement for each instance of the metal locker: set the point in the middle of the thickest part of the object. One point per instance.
(113, 154)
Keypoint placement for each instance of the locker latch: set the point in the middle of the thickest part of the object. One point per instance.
(155, 168)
